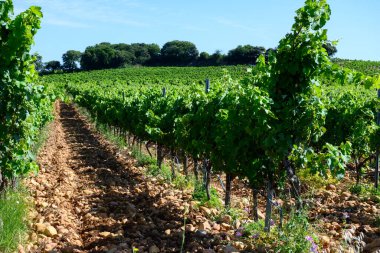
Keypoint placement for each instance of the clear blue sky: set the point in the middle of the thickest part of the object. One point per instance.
(210, 24)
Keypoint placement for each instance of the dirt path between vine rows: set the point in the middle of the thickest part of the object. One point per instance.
(91, 198)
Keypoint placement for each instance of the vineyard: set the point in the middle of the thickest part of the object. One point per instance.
(290, 145)
(366, 67)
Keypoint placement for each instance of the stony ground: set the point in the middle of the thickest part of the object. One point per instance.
(90, 197)
(344, 219)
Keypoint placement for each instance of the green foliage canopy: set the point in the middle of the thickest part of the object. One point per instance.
(70, 60)
(179, 53)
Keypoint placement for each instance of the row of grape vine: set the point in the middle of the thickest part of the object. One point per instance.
(294, 110)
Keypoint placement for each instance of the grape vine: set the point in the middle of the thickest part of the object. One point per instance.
(24, 107)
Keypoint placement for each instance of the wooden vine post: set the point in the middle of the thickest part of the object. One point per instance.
(159, 146)
(227, 199)
(207, 164)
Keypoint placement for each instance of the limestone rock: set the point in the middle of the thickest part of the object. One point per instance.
(225, 226)
(205, 211)
(325, 240)
(50, 231)
(190, 227)
(104, 234)
(204, 226)
(154, 249)
(331, 187)
(227, 219)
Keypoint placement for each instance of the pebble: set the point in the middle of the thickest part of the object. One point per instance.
(331, 187)
(201, 233)
(154, 249)
(325, 240)
(89, 192)
(50, 231)
(104, 234)
(227, 219)
(205, 211)
(225, 226)
(204, 226)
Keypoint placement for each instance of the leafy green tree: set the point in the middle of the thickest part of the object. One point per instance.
(204, 56)
(120, 59)
(106, 55)
(144, 54)
(154, 51)
(122, 47)
(97, 57)
(217, 58)
(71, 59)
(53, 66)
(203, 59)
(179, 53)
(89, 59)
(141, 53)
(38, 64)
(245, 54)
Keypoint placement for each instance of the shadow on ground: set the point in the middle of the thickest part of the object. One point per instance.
(123, 210)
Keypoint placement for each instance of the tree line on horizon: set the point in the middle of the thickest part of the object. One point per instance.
(174, 53)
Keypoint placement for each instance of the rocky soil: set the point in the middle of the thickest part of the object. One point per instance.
(344, 219)
(90, 197)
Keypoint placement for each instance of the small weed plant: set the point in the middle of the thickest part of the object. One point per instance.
(315, 181)
(181, 182)
(142, 159)
(201, 196)
(155, 171)
(366, 191)
(235, 213)
(295, 236)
